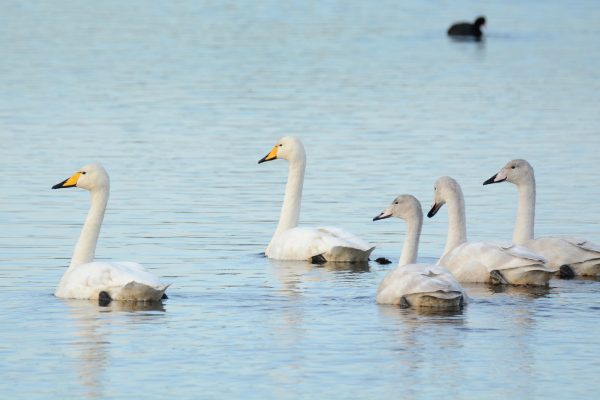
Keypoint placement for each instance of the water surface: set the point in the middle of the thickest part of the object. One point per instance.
(179, 100)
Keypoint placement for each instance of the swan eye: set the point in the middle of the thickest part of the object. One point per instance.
(83, 172)
(395, 202)
(280, 145)
(513, 167)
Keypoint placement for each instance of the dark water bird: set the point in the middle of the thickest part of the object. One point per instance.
(466, 29)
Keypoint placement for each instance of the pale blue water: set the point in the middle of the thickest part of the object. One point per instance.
(179, 100)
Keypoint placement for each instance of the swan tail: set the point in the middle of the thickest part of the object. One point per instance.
(442, 301)
(524, 276)
(135, 291)
(347, 254)
(586, 268)
(496, 278)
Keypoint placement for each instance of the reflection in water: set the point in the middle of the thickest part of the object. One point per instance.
(382, 107)
(533, 292)
(133, 306)
(92, 343)
(348, 267)
(415, 318)
(487, 291)
(292, 274)
(421, 334)
(504, 315)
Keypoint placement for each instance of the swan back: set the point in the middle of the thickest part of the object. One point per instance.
(581, 255)
(414, 279)
(121, 280)
(334, 244)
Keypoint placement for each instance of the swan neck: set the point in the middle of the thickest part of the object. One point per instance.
(457, 223)
(526, 213)
(86, 245)
(410, 249)
(290, 211)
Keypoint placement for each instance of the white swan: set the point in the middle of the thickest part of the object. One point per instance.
(479, 261)
(411, 284)
(316, 244)
(573, 256)
(89, 279)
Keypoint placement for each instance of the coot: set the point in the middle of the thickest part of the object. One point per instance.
(468, 29)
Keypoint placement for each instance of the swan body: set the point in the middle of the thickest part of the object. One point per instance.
(411, 284)
(480, 262)
(333, 244)
(581, 256)
(120, 280)
(89, 279)
(291, 242)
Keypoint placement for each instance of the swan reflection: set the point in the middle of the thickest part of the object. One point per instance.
(92, 343)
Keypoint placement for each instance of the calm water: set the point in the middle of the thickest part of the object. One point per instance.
(180, 99)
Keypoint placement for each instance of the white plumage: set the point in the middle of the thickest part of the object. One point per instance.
(581, 256)
(411, 284)
(479, 261)
(291, 242)
(333, 244)
(120, 280)
(86, 278)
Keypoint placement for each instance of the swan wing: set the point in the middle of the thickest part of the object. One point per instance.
(584, 244)
(336, 237)
(87, 280)
(522, 253)
(474, 261)
(302, 243)
(564, 250)
(411, 279)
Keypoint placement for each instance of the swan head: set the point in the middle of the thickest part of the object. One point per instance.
(288, 148)
(89, 177)
(515, 171)
(443, 189)
(405, 206)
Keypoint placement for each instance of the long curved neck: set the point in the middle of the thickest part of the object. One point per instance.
(457, 224)
(410, 248)
(86, 245)
(526, 212)
(290, 211)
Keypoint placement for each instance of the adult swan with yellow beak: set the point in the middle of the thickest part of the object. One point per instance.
(100, 280)
(318, 245)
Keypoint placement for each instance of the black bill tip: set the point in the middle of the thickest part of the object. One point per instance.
(492, 180)
(434, 209)
(381, 216)
(61, 185)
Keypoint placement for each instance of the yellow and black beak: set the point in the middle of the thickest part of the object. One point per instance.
(271, 156)
(67, 183)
